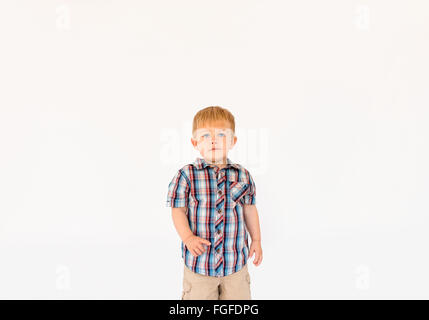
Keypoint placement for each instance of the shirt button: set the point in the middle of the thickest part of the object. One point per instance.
(219, 231)
(219, 192)
(219, 210)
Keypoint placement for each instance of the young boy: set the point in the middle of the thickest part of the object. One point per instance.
(213, 202)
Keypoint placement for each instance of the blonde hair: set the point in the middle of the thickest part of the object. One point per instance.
(210, 115)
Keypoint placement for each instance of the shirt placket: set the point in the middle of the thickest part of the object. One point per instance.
(220, 222)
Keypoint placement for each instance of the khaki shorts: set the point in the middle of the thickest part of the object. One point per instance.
(235, 286)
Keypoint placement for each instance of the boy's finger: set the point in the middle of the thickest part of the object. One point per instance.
(255, 261)
(204, 241)
(259, 259)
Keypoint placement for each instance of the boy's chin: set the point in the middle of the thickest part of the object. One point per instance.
(216, 159)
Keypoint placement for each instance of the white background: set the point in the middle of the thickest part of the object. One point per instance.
(331, 104)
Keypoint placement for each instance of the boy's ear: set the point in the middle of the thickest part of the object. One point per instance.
(234, 140)
(194, 142)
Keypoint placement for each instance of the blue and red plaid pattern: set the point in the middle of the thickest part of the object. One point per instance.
(214, 199)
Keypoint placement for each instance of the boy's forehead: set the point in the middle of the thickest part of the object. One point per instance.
(213, 128)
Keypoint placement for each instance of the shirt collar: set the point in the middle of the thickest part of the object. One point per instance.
(200, 163)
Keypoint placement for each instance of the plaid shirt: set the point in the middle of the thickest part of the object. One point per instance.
(214, 199)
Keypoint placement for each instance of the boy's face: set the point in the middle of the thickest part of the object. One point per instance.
(214, 141)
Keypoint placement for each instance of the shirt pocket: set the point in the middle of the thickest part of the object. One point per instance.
(237, 190)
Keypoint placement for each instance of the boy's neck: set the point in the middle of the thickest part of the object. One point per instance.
(221, 163)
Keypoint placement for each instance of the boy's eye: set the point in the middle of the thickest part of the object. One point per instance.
(207, 135)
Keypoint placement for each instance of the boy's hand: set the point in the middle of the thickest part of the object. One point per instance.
(195, 245)
(256, 248)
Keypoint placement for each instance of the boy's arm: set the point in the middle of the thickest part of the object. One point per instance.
(251, 219)
(181, 223)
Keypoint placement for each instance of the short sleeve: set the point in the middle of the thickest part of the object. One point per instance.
(250, 196)
(178, 191)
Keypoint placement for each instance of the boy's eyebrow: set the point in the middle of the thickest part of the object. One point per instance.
(201, 132)
(208, 132)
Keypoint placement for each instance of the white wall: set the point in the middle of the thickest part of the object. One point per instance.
(96, 106)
